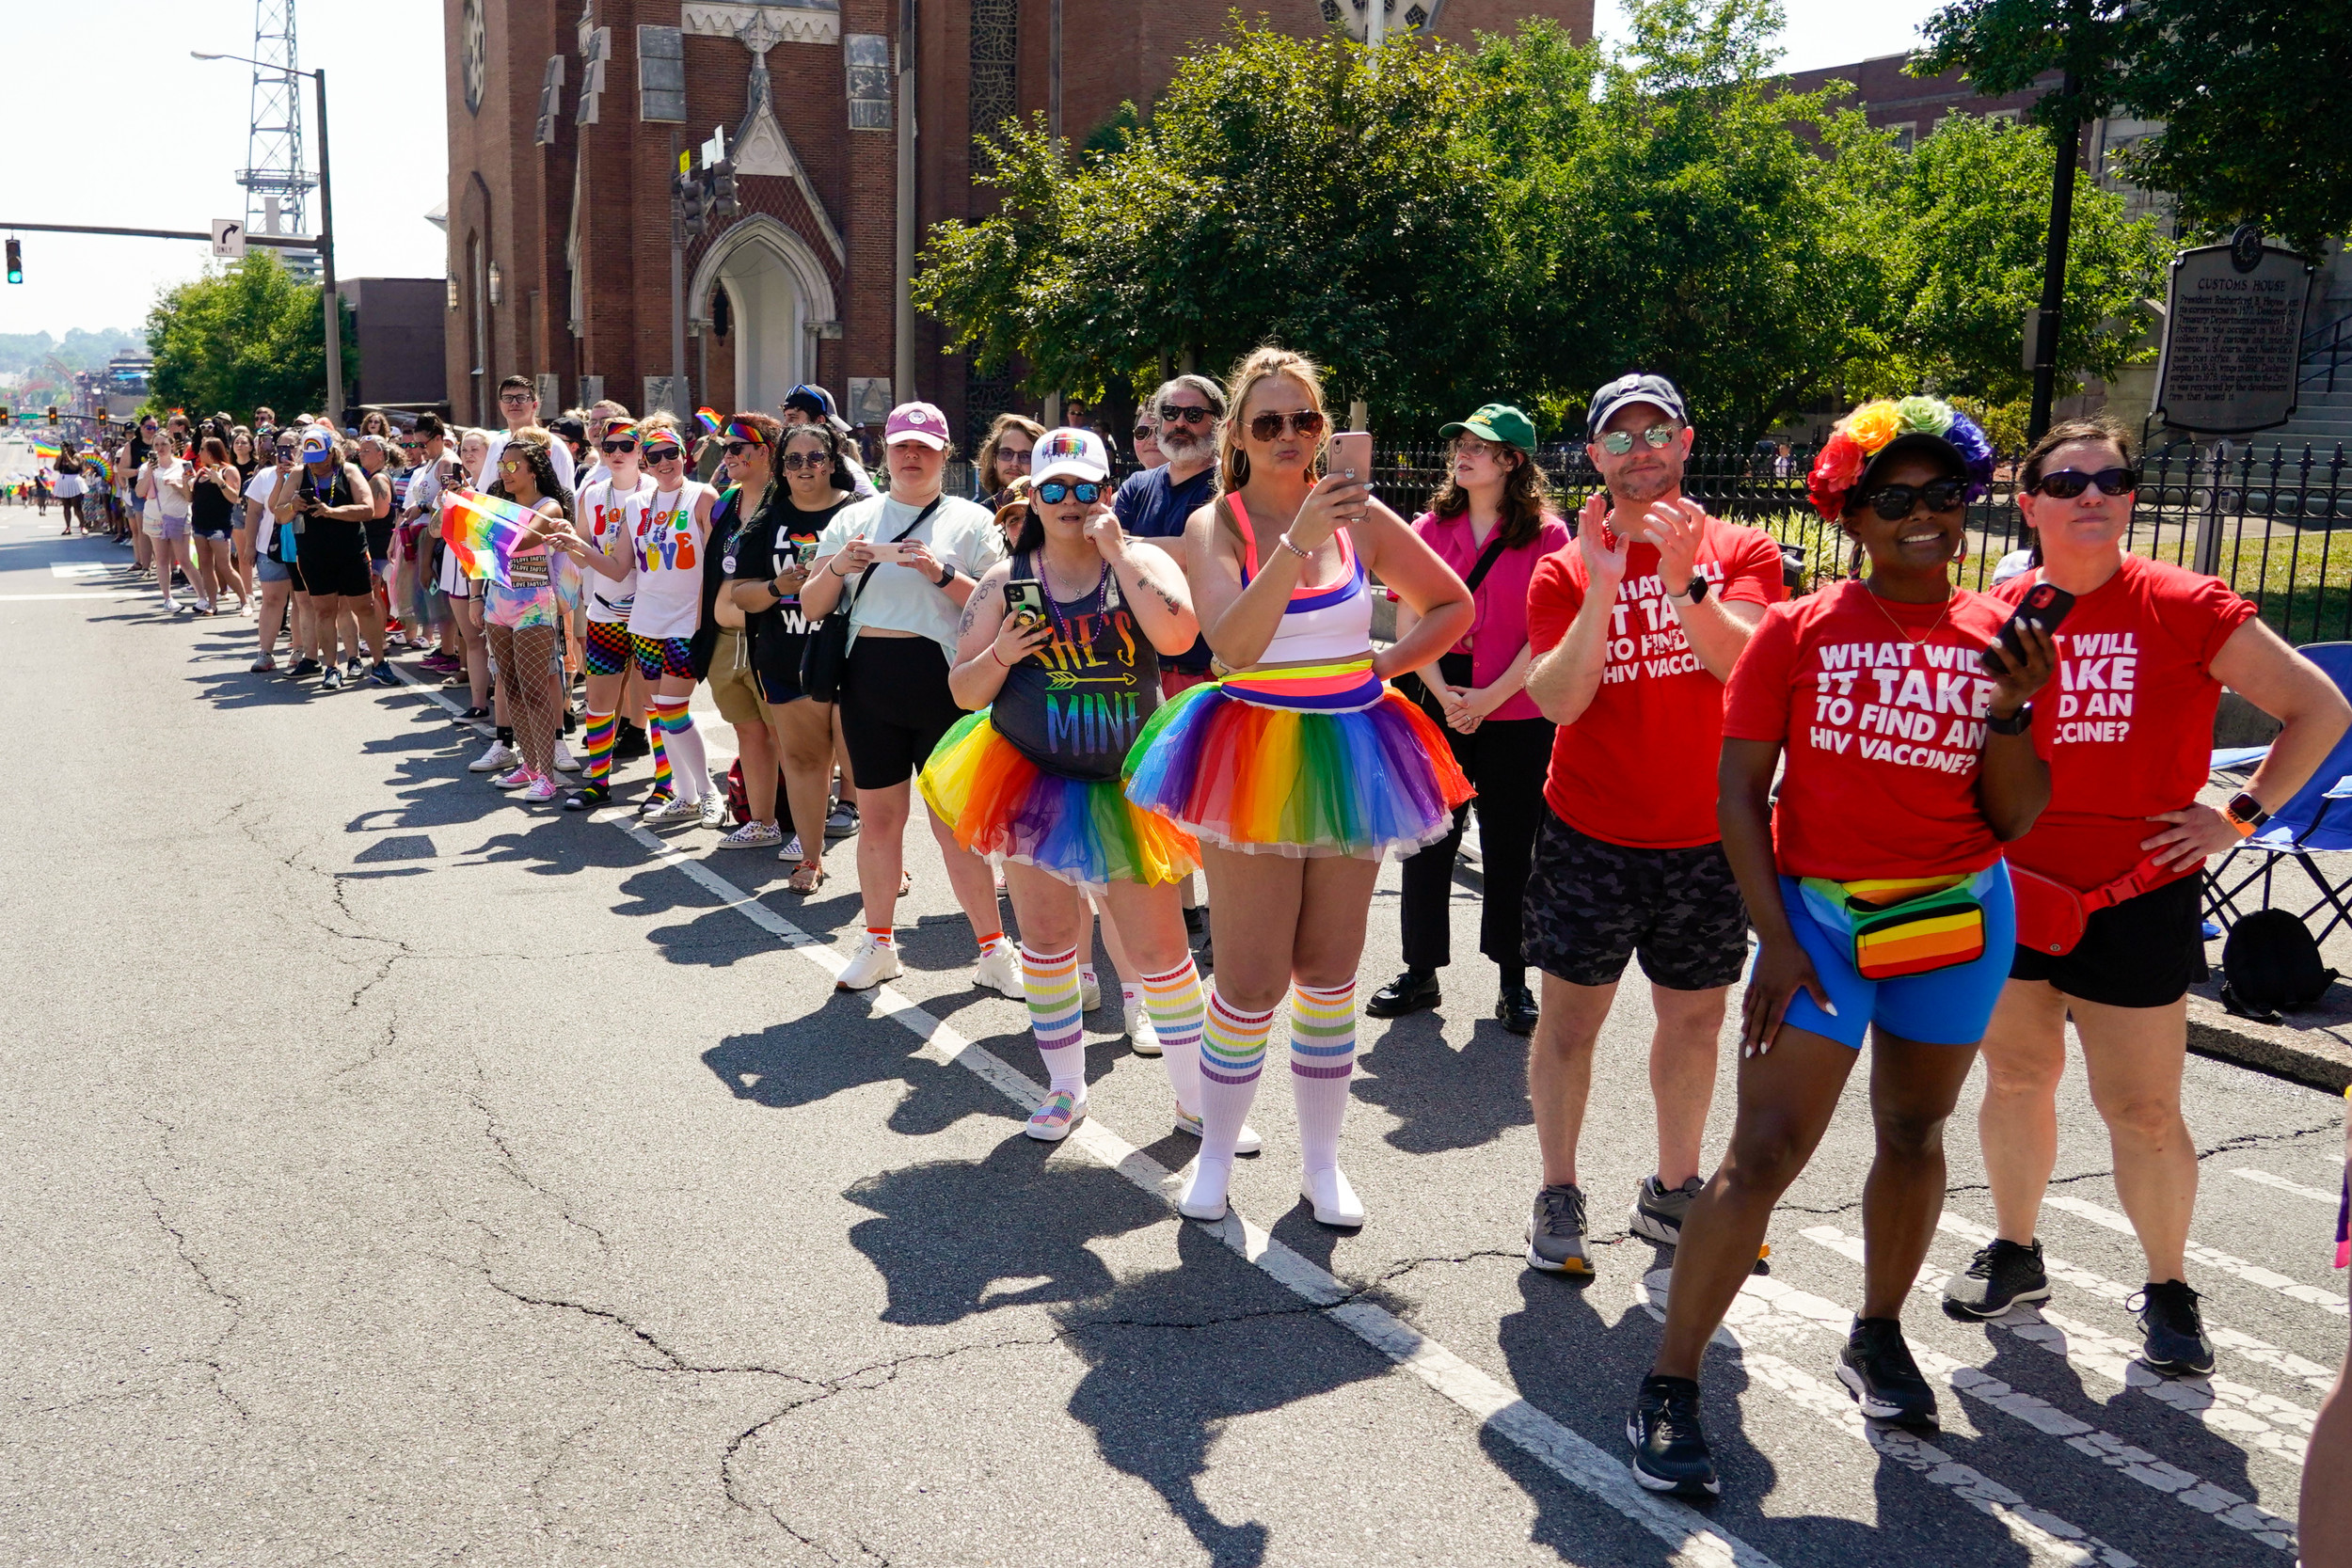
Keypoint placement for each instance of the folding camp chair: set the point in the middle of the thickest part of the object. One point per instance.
(2314, 822)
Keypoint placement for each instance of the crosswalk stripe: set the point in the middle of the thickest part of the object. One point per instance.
(2253, 1273)
(2280, 1183)
(1757, 1315)
(2242, 1415)
(2192, 1491)
(2311, 1373)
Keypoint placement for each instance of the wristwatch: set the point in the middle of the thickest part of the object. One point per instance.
(2244, 813)
(1693, 591)
(947, 576)
(2016, 723)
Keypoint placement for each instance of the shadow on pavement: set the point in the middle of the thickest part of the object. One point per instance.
(1443, 1098)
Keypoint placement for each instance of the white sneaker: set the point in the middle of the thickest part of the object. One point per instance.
(521, 776)
(999, 970)
(752, 835)
(1248, 1143)
(1143, 1037)
(541, 791)
(1089, 989)
(672, 812)
(497, 759)
(713, 806)
(872, 963)
(564, 761)
(791, 850)
(1053, 1119)
(1335, 1202)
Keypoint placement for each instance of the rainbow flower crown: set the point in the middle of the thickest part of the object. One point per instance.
(1871, 428)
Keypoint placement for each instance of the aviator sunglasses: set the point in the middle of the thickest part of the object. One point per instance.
(1616, 443)
(2067, 483)
(1305, 421)
(1893, 502)
(1052, 492)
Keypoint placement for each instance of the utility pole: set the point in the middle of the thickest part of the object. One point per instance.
(326, 266)
(902, 306)
(2065, 140)
(678, 287)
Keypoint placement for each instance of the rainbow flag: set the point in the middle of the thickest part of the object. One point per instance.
(709, 419)
(46, 451)
(485, 531)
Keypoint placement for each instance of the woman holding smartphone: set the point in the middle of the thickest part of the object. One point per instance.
(1060, 654)
(2145, 650)
(1299, 768)
(212, 519)
(1877, 891)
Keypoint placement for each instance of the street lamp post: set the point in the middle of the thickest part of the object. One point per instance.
(332, 305)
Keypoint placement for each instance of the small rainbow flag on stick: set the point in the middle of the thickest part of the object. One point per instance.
(709, 419)
(485, 531)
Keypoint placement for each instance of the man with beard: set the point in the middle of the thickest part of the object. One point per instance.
(1633, 629)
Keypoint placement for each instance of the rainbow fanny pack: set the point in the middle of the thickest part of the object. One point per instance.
(1314, 688)
(1896, 926)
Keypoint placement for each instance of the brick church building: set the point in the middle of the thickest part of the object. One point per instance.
(850, 122)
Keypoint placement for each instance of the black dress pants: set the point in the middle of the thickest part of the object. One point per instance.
(1506, 759)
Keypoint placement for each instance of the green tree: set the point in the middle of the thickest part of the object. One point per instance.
(2256, 95)
(243, 337)
(1966, 212)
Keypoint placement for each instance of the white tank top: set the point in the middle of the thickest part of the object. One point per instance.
(1320, 625)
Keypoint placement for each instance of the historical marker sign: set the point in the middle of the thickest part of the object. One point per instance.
(2233, 336)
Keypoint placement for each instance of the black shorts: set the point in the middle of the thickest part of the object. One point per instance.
(1591, 905)
(334, 562)
(895, 707)
(2145, 952)
(379, 532)
(777, 662)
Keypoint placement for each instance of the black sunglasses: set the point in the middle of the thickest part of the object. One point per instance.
(2067, 483)
(795, 461)
(1141, 432)
(1175, 414)
(665, 455)
(1893, 502)
(736, 449)
(627, 444)
(1305, 421)
(1052, 492)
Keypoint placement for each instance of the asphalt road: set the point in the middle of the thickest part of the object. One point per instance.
(397, 1174)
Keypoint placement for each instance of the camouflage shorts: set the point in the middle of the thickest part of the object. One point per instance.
(1591, 905)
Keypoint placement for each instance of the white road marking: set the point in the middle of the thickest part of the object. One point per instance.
(1496, 1406)
(87, 593)
(2230, 1410)
(2280, 1183)
(1767, 1309)
(2309, 1372)
(83, 568)
(2253, 1273)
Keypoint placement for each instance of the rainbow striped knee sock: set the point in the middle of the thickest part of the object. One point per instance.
(1178, 1011)
(1050, 980)
(1323, 1058)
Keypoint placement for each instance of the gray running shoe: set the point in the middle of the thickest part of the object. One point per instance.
(2000, 1276)
(1659, 1212)
(1555, 1232)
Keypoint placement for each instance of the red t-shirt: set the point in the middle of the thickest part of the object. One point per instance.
(2152, 630)
(1653, 731)
(1883, 730)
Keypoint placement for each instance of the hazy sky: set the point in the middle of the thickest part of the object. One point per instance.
(173, 130)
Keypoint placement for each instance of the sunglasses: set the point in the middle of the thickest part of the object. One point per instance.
(1266, 427)
(1019, 454)
(1893, 502)
(1178, 414)
(663, 454)
(794, 461)
(736, 449)
(1052, 492)
(1616, 443)
(2068, 482)
(628, 445)
(1142, 433)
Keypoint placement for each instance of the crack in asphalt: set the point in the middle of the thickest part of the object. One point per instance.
(509, 1162)
(234, 1302)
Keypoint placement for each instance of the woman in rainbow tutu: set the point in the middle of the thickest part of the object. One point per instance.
(1299, 768)
(1059, 651)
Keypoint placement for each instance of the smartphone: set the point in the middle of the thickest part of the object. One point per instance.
(1025, 602)
(2045, 605)
(886, 550)
(1350, 455)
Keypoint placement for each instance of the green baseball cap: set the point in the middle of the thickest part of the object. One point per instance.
(1496, 421)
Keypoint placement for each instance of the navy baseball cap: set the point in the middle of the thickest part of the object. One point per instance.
(1634, 386)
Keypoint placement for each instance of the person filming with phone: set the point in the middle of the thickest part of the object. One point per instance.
(2108, 886)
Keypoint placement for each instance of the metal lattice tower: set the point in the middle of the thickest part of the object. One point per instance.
(274, 178)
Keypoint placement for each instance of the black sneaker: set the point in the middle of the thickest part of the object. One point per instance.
(351, 669)
(588, 797)
(1413, 991)
(1669, 1452)
(2001, 1274)
(2172, 1334)
(381, 673)
(303, 667)
(334, 681)
(1876, 1367)
(630, 742)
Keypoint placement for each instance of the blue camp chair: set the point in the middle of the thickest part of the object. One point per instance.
(2313, 822)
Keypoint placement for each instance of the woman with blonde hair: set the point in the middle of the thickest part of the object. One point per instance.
(1298, 768)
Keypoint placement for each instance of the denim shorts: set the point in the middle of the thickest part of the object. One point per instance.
(266, 570)
(1943, 1007)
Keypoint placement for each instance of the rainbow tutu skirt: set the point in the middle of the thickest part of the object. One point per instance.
(1084, 832)
(1248, 763)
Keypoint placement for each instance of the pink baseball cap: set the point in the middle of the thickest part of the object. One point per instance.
(916, 421)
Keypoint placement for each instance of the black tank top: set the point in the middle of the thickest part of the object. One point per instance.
(1076, 705)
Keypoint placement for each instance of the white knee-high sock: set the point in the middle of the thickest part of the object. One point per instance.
(690, 766)
(1178, 1012)
(1323, 1058)
(1050, 980)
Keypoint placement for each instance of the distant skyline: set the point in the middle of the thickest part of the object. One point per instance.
(142, 98)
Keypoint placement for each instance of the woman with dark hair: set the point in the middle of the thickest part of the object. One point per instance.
(327, 508)
(247, 460)
(1005, 457)
(1875, 883)
(70, 486)
(2144, 652)
(212, 507)
(611, 506)
(1491, 522)
(522, 615)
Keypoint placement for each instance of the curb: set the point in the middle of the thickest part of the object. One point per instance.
(2318, 1058)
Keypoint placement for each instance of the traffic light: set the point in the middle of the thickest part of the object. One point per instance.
(723, 201)
(16, 260)
(52, 413)
(4, 413)
(694, 201)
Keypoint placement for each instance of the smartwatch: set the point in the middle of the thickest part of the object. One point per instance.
(2244, 813)
(1693, 591)
(947, 576)
(2016, 723)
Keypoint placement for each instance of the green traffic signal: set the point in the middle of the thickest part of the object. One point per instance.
(16, 261)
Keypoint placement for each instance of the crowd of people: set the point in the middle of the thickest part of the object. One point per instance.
(1938, 821)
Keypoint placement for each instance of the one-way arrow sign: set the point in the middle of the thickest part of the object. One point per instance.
(229, 238)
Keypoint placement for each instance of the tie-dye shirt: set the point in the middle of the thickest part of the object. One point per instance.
(667, 544)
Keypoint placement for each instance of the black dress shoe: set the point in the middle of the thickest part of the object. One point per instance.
(1413, 991)
(1515, 1007)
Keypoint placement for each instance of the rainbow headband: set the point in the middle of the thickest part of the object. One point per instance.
(1873, 427)
(738, 431)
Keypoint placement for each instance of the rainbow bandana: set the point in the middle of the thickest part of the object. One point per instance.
(485, 531)
(738, 431)
(620, 425)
